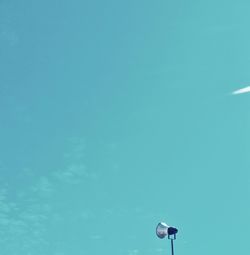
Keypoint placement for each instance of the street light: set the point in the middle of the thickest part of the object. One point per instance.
(163, 230)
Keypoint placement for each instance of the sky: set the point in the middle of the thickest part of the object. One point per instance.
(116, 115)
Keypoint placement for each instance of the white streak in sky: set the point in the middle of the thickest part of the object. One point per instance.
(242, 91)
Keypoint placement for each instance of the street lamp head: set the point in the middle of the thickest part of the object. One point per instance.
(163, 230)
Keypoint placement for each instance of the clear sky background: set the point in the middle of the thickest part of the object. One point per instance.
(115, 115)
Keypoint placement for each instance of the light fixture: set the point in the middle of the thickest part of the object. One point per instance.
(163, 230)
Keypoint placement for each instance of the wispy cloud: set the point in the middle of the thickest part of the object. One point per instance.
(242, 91)
(47, 203)
(133, 252)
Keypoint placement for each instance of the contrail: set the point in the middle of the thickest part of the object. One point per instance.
(241, 91)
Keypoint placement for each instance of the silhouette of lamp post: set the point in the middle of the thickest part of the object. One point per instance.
(163, 230)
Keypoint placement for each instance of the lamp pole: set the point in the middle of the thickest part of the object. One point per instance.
(172, 238)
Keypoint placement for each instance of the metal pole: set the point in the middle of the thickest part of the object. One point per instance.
(172, 246)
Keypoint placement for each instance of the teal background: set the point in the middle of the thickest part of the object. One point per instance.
(115, 115)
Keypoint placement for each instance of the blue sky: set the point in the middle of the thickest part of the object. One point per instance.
(115, 115)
